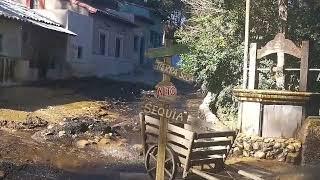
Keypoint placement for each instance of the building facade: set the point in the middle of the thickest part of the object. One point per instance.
(32, 47)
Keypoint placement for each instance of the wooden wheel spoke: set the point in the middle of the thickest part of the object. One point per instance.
(167, 160)
(152, 169)
(153, 157)
(167, 172)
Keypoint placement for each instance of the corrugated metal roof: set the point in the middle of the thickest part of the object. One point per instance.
(17, 11)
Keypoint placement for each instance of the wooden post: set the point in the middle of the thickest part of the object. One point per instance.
(304, 66)
(246, 45)
(253, 66)
(280, 76)
(162, 142)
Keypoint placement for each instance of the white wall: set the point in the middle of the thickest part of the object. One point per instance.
(82, 25)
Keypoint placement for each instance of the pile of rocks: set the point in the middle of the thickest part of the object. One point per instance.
(281, 149)
(75, 127)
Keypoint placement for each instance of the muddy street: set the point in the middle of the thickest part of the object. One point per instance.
(76, 129)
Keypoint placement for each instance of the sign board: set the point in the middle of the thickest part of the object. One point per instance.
(166, 51)
(166, 90)
(169, 70)
(165, 112)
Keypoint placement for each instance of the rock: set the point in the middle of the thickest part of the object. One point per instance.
(50, 126)
(256, 146)
(260, 155)
(268, 140)
(290, 148)
(277, 145)
(61, 134)
(247, 146)
(276, 152)
(246, 154)
(83, 143)
(237, 151)
(240, 145)
(282, 156)
(266, 149)
(292, 158)
(270, 155)
(280, 140)
(297, 146)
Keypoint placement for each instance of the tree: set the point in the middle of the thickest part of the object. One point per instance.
(214, 32)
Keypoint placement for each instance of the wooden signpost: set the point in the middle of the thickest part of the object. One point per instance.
(169, 70)
(166, 91)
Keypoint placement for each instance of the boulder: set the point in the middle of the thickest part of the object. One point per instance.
(256, 146)
(291, 148)
(246, 154)
(61, 134)
(277, 145)
(260, 155)
(247, 146)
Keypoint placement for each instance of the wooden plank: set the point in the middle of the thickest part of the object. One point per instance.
(188, 157)
(205, 153)
(204, 144)
(211, 160)
(172, 71)
(167, 51)
(184, 142)
(216, 134)
(304, 66)
(279, 44)
(203, 174)
(161, 149)
(152, 120)
(152, 131)
(187, 134)
(143, 132)
(178, 150)
(182, 160)
(157, 110)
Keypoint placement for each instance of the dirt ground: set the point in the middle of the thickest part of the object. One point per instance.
(39, 107)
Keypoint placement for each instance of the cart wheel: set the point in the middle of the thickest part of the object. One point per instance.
(151, 163)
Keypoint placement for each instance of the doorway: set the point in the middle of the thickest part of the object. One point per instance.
(142, 48)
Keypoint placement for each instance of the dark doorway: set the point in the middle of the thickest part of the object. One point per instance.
(142, 47)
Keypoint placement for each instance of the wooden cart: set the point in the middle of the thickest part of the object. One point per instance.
(194, 152)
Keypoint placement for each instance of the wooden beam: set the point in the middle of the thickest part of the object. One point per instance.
(167, 51)
(304, 66)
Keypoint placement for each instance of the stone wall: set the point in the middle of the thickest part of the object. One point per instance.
(281, 149)
(309, 134)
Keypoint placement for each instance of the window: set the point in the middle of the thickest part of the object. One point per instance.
(80, 49)
(136, 43)
(34, 4)
(1, 43)
(118, 47)
(102, 41)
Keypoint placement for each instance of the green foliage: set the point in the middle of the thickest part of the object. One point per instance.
(214, 31)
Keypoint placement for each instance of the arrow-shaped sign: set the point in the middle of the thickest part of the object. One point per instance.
(167, 52)
(171, 71)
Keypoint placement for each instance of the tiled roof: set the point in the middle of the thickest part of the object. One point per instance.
(19, 12)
